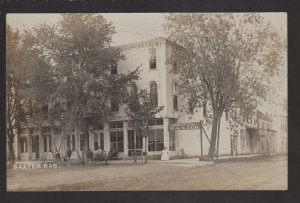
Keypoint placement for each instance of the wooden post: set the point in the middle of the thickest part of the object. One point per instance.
(201, 158)
(218, 138)
(145, 149)
(236, 146)
(134, 138)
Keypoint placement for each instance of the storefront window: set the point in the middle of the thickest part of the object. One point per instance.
(116, 141)
(82, 142)
(23, 142)
(156, 140)
(172, 140)
(98, 145)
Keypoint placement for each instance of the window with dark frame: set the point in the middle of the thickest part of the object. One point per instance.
(114, 105)
(152, 58)
(204, 108)
(153, 94)
(175, 104)
(114, 69)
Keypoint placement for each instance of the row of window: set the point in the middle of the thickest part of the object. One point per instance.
(152, 63)
(155, 141)
(153, 98)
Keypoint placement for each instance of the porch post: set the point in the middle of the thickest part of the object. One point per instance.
(166, 133)
(106, 137)
(125, 138)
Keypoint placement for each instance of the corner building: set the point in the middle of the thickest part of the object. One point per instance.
(156, 76)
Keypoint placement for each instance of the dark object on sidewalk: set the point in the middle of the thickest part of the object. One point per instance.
(90, 155)
(57, 155)
(69, 153)
(101, 157)
(112, 154)
(97, 157)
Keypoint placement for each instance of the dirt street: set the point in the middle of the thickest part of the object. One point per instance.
(263, 174)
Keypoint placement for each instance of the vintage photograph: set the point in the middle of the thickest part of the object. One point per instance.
(146, 101)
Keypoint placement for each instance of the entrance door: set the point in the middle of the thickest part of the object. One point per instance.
(135, 143)
(36, 147)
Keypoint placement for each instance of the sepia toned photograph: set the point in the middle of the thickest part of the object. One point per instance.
(146, 101)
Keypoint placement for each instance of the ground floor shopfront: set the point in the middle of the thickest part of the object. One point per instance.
(37, 143)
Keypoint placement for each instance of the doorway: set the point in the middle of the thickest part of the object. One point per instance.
(135, 143)
(36, 147)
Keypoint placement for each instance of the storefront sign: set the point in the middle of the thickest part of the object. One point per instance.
(185, 126)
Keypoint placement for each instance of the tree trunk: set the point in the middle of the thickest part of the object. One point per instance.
(85, 146)
(212, 147)
(146, 154)
(11, 157)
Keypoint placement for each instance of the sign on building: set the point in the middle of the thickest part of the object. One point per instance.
(185, 126)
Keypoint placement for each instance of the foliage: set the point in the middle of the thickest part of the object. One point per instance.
(141, 109)
(69, 64)
(14, 111)
(228, 61)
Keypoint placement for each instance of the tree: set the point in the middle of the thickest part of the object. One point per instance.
(225, 61)
(72, 64)
(141, 110)
(14, 112)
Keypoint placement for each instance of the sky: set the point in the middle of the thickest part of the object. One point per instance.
(130, 27)
(135, 27)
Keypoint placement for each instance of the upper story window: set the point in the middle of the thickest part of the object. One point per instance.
(153, 94)
(133, 90)
(204, 108)
(98, 126)
(114, 69)
(152, 58)
(116, 124)
(156, 121)
(175, 104)
(114, 105)
(45, 107)
(175, 66)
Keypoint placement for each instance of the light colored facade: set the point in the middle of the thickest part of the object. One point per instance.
(156, 76)
(278, 113)
(248, 141)
(267, 136)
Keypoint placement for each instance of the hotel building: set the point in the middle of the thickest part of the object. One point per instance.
(156, 76)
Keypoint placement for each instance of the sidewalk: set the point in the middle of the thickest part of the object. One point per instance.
(188, 162)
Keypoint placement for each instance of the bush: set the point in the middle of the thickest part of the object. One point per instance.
(154, 157)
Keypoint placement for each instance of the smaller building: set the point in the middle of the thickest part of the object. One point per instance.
(266, 134)
(278, 113)
(248, 137)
